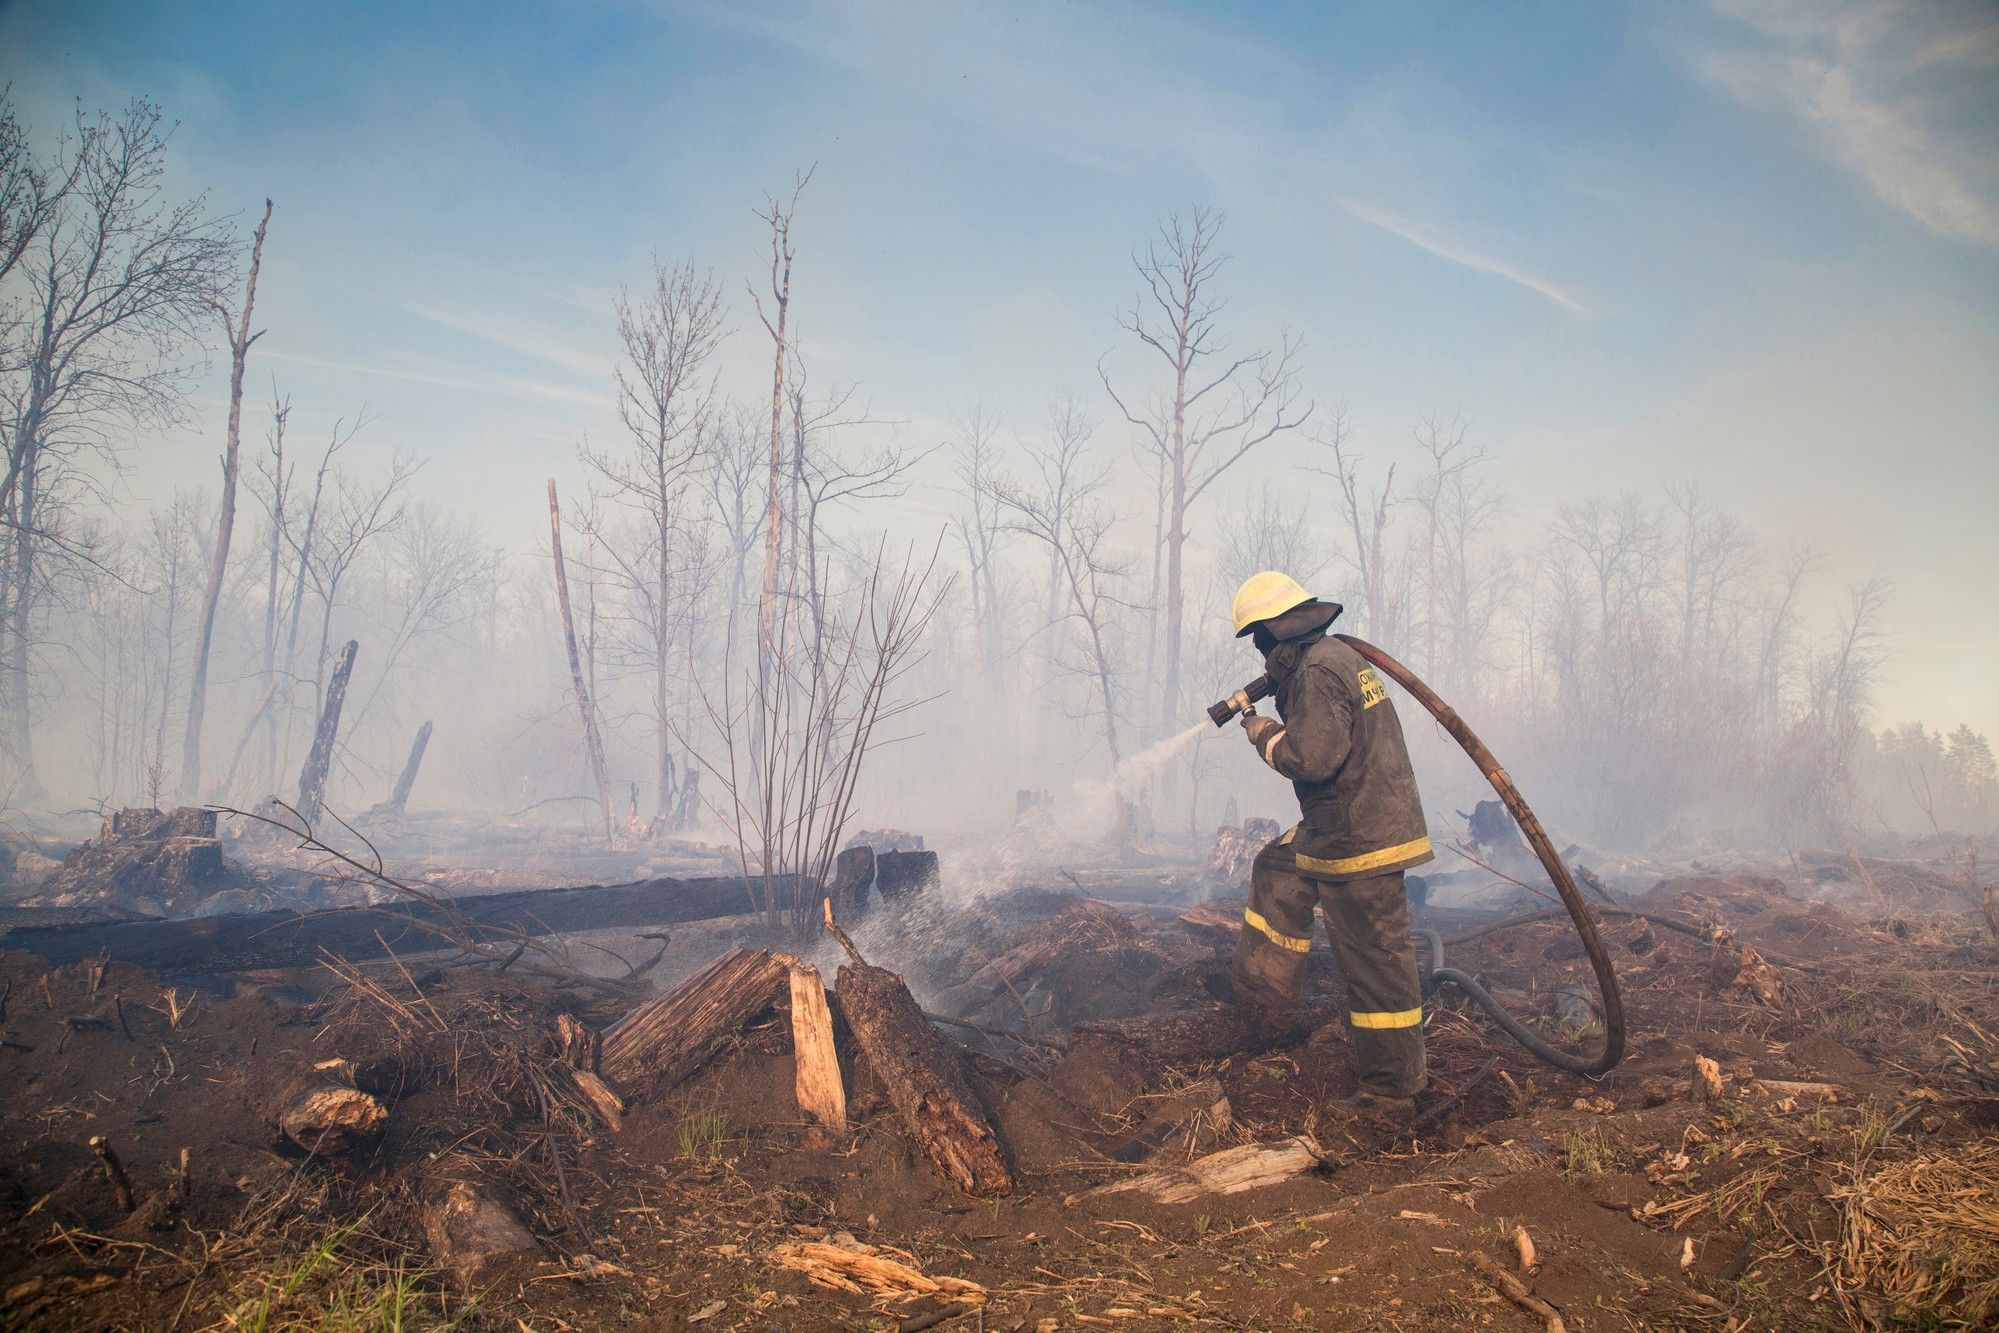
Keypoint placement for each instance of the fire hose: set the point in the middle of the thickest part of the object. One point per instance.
(1544, 849)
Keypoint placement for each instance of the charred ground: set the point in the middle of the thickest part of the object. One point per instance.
(1833, 1166)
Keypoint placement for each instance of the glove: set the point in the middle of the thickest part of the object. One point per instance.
(1258, 728)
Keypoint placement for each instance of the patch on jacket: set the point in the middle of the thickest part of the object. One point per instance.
(1372, 691)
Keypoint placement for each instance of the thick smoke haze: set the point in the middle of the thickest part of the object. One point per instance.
(1627, 373)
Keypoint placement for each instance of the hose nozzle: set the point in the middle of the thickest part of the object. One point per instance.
(1241, 701)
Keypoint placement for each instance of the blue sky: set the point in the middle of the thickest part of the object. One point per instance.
(1752, 241)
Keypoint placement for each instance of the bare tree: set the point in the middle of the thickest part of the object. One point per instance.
(1268, 531)
(431, 570)
(979, 532)
(1714, 553)
(1367, 516)
(777, 214)
(240, 339)
(1061, 509)
(666, 394)
(735, 467)
(116, 281)
(361, 512)
(586, 708)
(825, 478)
(793, 745)
(1217, 407)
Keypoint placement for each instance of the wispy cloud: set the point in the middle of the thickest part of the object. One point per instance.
(1896, 94)
(1426, 239)
(1107, 89)
(511, 335)
(474, 381)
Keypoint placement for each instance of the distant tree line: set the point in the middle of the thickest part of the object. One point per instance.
(757, 590)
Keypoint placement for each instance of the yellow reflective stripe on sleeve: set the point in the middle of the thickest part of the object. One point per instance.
(1269, 746)
(1291, 942)
(1349, 865)
(1289, 834)
(1401, 1018)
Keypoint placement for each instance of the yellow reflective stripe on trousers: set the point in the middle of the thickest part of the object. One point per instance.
(1291, 942)
(1348, 865)
(1401, 1018)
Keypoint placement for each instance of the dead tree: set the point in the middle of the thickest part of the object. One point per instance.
(1061, 511)
(240, 340)
(116, 282)
(665, 401)
(980, 532)
(362, 512)
(399, 800)
(593, 741)
(775, 321)
(1367, 517)
(312, 778)
(1208, 418)
(792, 751)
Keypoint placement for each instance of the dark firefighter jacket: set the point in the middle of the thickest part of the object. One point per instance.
(1341, 746)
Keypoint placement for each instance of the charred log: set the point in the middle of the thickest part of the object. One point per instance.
(234, 943)
(924, 1079)
(669, 1037)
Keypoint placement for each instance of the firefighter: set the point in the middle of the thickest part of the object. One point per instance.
(1337, 738)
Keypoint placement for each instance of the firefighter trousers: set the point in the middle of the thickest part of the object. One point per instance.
(1368, 923)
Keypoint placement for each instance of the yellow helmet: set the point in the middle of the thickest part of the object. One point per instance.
(1264, 595)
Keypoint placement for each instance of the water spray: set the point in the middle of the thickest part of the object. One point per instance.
(1246, 698)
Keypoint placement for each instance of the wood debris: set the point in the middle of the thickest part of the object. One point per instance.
(1757, 977)
(845, 1264)
(1231, 1171)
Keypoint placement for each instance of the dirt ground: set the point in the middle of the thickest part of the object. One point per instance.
(1844, 1176)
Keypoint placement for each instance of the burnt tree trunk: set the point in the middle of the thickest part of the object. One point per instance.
(670, 1036)
(312, 778)
(399, 799)
(924, 1079)
(593, 741)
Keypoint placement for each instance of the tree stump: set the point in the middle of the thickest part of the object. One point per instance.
(924, 1079)
(470, 1232)
(328, 1120)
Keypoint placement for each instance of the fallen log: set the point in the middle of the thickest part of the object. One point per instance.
(822, 1094)
(670, 1036)
(252, 940)
(924, 1079)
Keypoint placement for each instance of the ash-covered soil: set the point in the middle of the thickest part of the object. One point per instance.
(1838, 1173)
